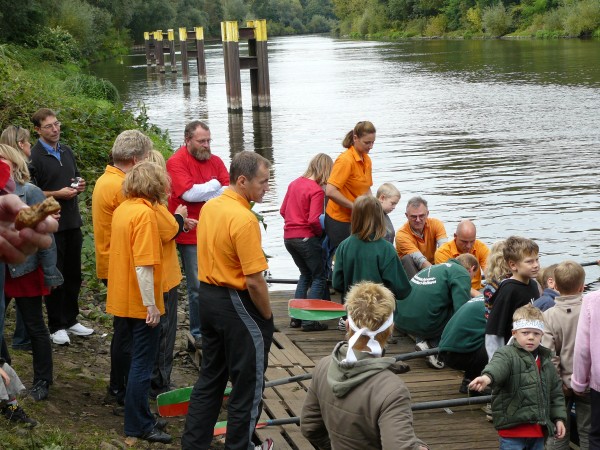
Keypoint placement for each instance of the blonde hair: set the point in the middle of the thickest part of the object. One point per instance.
(157, 157)
(147, 180)
(569, 277)
(517, 248)
(370, 305)
(359, 130)
(545, 274)
(319, 168)
(367, 221)
(528, 312)
(13, 134)
(20, 172)
(387, 190)
(497, 268)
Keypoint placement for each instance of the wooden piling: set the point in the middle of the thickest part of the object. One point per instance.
(262, 60)
(231, 56)
(171, 39)
(148, 44)
(158, 51)
(200, 59)
(185, 67)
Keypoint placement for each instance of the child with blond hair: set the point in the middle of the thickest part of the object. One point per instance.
(546, 280)
(389, 196)
(527, 398)
(559, 336)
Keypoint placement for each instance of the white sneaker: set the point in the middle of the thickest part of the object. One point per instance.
(80, 330)
(60, 337)
(420, 346)
(266, 445)
(342, 325)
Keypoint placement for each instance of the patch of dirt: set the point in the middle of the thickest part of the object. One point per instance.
(74, 415)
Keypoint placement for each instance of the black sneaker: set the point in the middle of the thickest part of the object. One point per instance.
(156, 435)
(464, 386)
(39, 391)
(315, 326)
(15, 413)
(160, 423)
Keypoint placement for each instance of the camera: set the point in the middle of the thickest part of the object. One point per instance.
(75, 184)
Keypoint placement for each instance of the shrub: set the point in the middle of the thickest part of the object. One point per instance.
(436, 26)
(582, 18)
(62, 44)
(415, 27)
(92, 87)
(496, 20)
(473, 19)
(319, 24)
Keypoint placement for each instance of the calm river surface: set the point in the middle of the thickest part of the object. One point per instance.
(506, 133)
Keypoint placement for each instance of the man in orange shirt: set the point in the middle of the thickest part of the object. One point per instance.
(129, 148)
(465, 241)
(235, 312)
(419, 237)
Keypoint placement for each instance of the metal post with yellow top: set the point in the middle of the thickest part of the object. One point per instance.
(171, 40)
(149, 47)
(259, 76)
(185, 67)
(231, 55)
(159, 51)
(200, 59)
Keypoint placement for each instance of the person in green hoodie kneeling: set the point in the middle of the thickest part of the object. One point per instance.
(356, 400)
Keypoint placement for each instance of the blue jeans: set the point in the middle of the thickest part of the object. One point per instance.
(189, 259)
(308, 256)
(521, 443)
(144, 339)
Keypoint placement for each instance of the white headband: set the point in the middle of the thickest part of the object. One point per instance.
(372, 344)
(524, 323)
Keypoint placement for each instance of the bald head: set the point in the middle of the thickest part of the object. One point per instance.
(465, 236)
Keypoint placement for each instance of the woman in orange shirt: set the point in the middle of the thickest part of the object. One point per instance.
(350, 178)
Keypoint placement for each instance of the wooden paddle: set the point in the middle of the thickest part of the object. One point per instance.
(176, 402)
(221, 427)
(309, 309)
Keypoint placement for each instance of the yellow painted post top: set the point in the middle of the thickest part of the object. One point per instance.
(182, 34)
(171, 34)
(260, 28)
(199, 33)
(158, 35)
(229, 31)
(146, 36)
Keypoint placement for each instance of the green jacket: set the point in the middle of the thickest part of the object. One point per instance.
(437, 293)
(375, 261)
(522, 394)
(465, 332)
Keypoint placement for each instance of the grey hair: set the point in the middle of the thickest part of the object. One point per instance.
(131, 144)
(416, 201)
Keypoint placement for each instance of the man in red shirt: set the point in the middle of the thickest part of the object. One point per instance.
(196, 176)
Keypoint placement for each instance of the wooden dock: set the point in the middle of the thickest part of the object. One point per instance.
(295, 352)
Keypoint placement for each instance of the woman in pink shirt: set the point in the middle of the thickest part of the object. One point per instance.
(586, 361)
(301, 209)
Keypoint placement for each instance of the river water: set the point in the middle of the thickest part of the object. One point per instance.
(503, 132)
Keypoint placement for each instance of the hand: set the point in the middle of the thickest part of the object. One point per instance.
(560, 430)
(66, 193)
(182, 211)
(81, 186)
(480, 383)
(190, 224)
(16, 245)
(5, 377)
(153, 316)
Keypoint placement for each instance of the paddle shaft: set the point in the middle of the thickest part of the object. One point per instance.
(422, 406)
(591, 263)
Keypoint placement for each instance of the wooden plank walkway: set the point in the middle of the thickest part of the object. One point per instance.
(295, 352)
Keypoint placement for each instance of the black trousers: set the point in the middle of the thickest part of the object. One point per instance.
(33, 319)
(472, 363)
(62, 304)
(595, 422)
(236, 341)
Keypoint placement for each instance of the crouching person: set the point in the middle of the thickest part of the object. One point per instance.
(356, 400)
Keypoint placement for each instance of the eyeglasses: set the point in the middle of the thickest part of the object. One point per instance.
(50, 126)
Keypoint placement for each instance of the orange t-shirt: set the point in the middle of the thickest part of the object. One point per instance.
(351, 174)
(407, 242)
(134, 241)
(167, 229)
(107, 195)
(480, 251)
(229, 242)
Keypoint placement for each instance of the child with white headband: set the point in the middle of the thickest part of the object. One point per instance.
(356, 400)
(527, 399)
